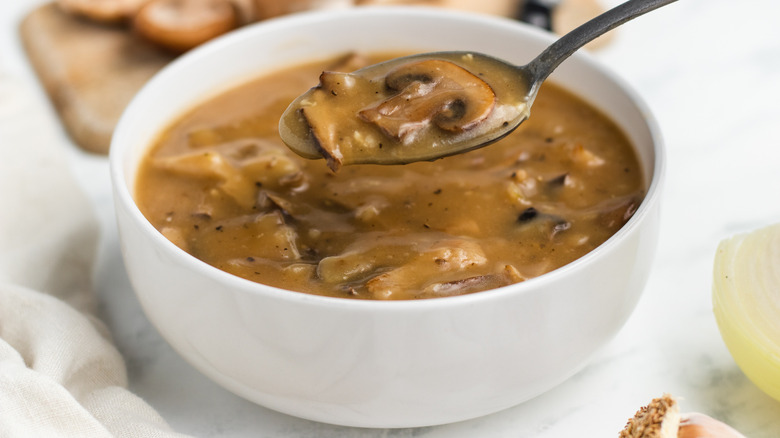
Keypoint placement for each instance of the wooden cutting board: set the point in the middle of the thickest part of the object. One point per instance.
(90, 71)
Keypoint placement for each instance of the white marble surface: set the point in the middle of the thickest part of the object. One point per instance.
(710, 71)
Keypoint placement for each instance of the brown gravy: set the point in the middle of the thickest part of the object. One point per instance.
(220, 184)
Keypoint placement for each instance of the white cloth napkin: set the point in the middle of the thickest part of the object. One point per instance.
(60, 375)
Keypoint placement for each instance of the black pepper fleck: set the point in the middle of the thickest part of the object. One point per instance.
(528, 214)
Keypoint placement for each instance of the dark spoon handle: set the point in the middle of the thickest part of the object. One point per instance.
(538, 12)
(551, 58)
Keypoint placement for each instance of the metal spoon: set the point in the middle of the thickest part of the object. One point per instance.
(309, 126)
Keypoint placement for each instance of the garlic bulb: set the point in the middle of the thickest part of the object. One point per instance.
(746, 303)
(661, 418)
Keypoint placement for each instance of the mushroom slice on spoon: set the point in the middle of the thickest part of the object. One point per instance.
(408, 109)
(431, 91)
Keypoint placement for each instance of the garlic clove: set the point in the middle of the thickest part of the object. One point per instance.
(696, 425)
(661, 418)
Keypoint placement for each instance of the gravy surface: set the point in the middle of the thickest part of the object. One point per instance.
(221, 184)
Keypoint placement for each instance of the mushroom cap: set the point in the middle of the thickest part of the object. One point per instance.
(180, 25)
(106, 11)
(432, 91)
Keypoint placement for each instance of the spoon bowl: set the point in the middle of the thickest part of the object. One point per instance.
(334, 110)
(435, 110)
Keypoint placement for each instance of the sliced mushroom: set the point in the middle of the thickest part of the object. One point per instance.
(263, 236)
(268, 201)
(559, 181)
(582, 156)
(212, 164)
(508, 275)
(431, 91)
(247, 11)
(180, 25)
(389, 262)
(106, 11)
(455, 255)
(274, 8)
(205, 165)
(322, 121)
(362, 258)
(542, 225)
(272, 168)
(616, 213)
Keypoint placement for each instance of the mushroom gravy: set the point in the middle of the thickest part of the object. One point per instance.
(221, 184)
(407, 109)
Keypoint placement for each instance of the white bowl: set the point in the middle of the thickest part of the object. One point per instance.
(372, 363)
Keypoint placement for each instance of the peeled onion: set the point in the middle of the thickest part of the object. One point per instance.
(746, 302)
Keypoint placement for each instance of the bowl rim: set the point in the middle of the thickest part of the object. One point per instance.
(123, 196)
